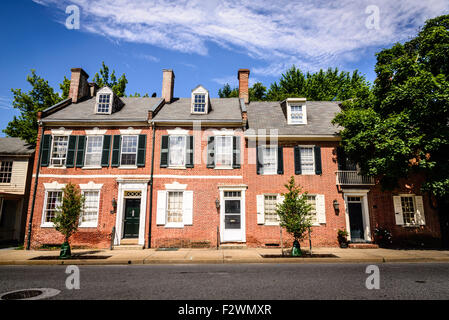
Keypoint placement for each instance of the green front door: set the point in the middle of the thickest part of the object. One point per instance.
(132, 217)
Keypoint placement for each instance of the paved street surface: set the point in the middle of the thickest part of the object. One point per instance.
(236, 281)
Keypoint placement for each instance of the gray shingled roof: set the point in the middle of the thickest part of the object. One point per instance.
(227, 109)
(269, 115)
(15, 146)
(135, 109)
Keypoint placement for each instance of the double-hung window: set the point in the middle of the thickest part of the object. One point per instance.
(174, 207)
(199, 104)
(129, 151)
(177, 153)
(53, 201)
(307, 160)
(89, 215)
(408, 210)
(223, 151)
(296, 114)
(5, 171)
(269, 159)
(270, 202)
(59, 151)
(104, 103)
(94, 151)
(311, 199)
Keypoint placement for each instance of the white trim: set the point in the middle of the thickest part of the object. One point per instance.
(54, 186)
(224, 132)
(178, 132)
(91, 186)
(61, 132)
(131, 185)
(86, 148)
(199, 90)
(175, 186)
(104, 91)
(363, 194)
(130, 132)
(95, 132)
(242, 189)
(112, 176)
(313, 158)
(264, 147)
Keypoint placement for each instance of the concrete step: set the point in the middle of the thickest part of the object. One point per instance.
(363, 246)
(233, 246)
(128, 247)
(129, 241)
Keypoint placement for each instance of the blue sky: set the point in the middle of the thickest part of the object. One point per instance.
(205, 42)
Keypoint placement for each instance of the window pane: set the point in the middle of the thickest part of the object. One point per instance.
(94, 150)
(296, 114)
(312, 201)
(177, 151)
(307, 160)
(59, 152)
(5, 171)
(104, 103)
(90, 212)
(199, 103)
(269, 160)
(129, 150)
(408, 210)
(270, 202)
(53, 202)
(223, 151)
(174, 207)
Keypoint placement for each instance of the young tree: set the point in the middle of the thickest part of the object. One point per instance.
(256, 93)
(40, 97)
(117, 86)
(67, 216)
(402, 128)
(295, 212)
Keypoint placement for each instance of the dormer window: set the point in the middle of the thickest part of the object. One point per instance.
(106, 102)
(200, 100)
(296, 110)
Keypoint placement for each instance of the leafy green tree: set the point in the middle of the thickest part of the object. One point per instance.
(402, 128)
(227, 92)
(103, 79)
(295, 212)
(40, 97)
(256, 92)
(67, 216)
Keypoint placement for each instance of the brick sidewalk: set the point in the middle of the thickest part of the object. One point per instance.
(200, 256)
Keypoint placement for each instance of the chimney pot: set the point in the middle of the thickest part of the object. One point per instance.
(168, 84)
(243, 76)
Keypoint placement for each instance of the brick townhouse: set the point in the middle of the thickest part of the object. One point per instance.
(201, 171)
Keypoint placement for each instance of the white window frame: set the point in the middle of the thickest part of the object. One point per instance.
(91, 224)
(53, 140)
(270, 223)
(175, 166)
(293, 102)
(44, 223)
(202, 104)
(174, 224)
(12, 168)
(264, 148)
(102, 92)
(122, 153)
(415, 224)
(314, 216)
(231, 154)
(292, 113)
(313, 159)
(86, 153)
(200, 90)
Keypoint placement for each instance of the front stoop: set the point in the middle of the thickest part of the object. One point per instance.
(227, 246)
(363, 246)
(129, 247)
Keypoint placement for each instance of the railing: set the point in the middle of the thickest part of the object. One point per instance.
(353, 178)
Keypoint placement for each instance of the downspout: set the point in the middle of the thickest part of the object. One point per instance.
(151, 186)
(30, 223)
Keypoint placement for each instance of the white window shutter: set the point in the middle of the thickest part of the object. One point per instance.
(280, 200)
(320, 208)
(187, 208)
(398, 210)
(260, 209)
(161, 207)
(419, 213)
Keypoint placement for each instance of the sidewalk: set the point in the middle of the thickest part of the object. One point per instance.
(200, 256)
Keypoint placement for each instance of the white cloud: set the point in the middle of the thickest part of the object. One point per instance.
(311, 34)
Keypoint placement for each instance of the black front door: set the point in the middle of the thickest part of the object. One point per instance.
(356, 221)
(132, 217)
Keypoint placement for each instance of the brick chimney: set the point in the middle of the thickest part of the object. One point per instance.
(243, 77)
(79, 87)
(168, 84)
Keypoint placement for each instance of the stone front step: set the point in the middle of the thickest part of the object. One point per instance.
(129, 241)
(363, 246)
(233, 246)
(128, 247)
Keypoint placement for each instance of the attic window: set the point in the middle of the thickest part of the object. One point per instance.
(296, 111)
(296, 114)
(199, 103)
(104, 103)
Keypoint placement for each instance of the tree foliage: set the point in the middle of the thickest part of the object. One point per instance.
(67, 216)
(256, 93)
(402, 128)
(40, 97)
(294, 211)
(103, 79)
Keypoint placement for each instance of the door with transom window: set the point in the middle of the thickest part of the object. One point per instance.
(232, 217)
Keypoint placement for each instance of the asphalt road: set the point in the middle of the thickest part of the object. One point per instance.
(235, 282)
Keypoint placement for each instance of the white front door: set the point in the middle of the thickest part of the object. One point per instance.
(232, 214)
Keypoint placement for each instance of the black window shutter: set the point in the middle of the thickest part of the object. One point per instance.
(80, 151)
(106, 151)
(164, 151)
(318, 169)
(280, 160)
(211, 152)
(236, 153)
(189, 151)
(70, 162)
(142, 146)
(115, 161)
(259, 160)
(46, 146)
(297, 153)
(341, 158)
